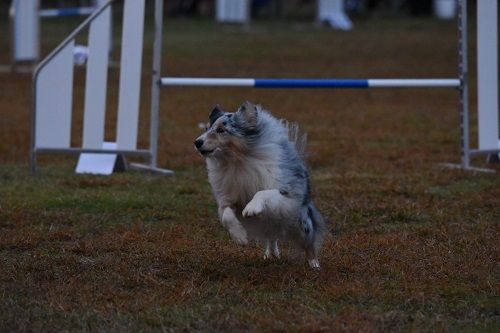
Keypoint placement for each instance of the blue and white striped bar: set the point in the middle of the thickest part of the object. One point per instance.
(75, 11)
(308, 83)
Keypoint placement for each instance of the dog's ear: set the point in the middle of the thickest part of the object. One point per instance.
(248, 113)
(215, 114)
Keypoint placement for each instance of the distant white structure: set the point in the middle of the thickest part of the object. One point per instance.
(233, 11)
(25, 25)
(445, 9)
(239, 11)
(333, 13)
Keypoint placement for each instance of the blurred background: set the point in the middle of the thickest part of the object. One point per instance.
(284, 9)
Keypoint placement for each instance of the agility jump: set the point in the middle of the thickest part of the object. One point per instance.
(45, 140)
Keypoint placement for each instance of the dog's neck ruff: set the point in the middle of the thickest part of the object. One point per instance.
(236, 178)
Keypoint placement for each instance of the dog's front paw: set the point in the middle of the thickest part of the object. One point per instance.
(236, 230)
(238, 234)
(253, 208)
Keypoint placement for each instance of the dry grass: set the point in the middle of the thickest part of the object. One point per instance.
(413, 247)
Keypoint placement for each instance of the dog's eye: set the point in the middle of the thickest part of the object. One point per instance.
(219, 130)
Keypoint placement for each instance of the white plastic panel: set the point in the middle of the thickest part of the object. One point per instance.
(54, 97)
(96, 82)
(130, 74)
(97, 164)
(487, 62)
(26, 28)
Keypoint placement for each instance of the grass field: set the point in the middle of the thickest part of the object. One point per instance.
(412, 247)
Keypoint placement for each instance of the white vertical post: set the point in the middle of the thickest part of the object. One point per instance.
(96, 82)
(487, 69)
(463, 69)
(155, 84)
(130, 74)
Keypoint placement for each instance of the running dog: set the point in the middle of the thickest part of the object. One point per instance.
(260, 181)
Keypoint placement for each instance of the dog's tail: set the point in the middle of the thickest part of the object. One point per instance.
(313, 226)
(296, 137)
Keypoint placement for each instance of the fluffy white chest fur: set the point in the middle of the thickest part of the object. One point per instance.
(236, 183)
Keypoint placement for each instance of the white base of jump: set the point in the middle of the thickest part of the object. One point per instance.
(460, 166)
(98, 164)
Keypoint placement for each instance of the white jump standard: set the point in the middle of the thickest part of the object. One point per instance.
(53, 90)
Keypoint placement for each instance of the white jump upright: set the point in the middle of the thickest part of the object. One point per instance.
(130, 75)
(96, 82)
(53, 91)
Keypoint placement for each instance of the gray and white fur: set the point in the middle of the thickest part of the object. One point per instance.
(260, 181)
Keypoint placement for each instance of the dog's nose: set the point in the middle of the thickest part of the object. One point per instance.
(198, 143)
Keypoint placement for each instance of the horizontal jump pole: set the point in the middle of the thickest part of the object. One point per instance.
(309, 83)
(138, 152)
(73, 11)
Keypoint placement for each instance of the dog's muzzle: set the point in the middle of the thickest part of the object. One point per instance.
(198, 144)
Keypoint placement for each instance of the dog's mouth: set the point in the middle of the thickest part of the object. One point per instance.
(206, 152)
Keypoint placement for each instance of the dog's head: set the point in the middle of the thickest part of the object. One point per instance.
(228, 132)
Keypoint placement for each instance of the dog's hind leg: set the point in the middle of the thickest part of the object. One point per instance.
(233, 225)
(272, 250)
(276, 249)
(267, 251)
(312, 225)
(314, 263)
(312, 259)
